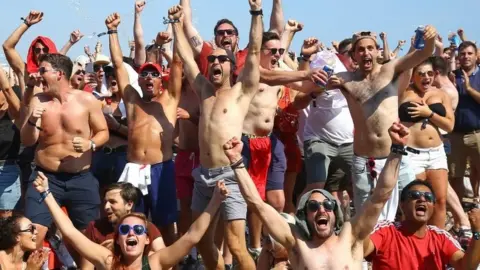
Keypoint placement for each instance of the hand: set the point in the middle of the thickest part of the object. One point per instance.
(182, 114)
(334, 82)
(81, 145)
(34, 17)
(163, 38)
(37, 112)
(401, 43)
(176, 13)
(41, 182)
(75, 36)
(233, 149)
(466, 80)
(383, 36)
(34, 79)
(335, 44)
(474, 217)
(420, 109)
(37, 259)
(87, 51)
(220, 193)
(430, 33)
(112, 123)
(131, 45)
(255, 4)
(460, 33)
(112, 21)
(139, 6)
(108, 244)
(318, 76)
(91, 80)
(293, 26)
(310, 46)
(439, 38)
(399, 134)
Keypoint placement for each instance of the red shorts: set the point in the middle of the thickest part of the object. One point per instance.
(185, 162)
(257, 154)
(292, 152)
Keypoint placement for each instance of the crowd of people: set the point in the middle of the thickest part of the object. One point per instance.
(195, 154)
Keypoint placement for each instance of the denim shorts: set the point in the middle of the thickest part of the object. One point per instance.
(10, 188)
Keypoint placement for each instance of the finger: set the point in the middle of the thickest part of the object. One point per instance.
(41, 175)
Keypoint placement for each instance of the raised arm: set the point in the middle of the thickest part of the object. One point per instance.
(75, 37)
(416, 57)
(277, 20)
(127, 92)
(171, 255)
(93, 252)
(366, 219)
(276, 224)
(175, 81)
(31, 126)
(291, 28)
(251, 73)
(196, 41)
(397, 49)
(386, 49)
(140, 53)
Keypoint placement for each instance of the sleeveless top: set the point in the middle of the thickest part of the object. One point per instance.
(286, 120)
(9, 138)
(145, 264)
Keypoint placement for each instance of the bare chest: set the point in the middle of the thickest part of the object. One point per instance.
(152, 118)
(70, 117)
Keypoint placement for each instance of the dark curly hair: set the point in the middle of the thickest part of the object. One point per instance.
(9, 230)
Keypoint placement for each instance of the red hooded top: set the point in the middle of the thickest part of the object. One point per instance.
(32, 66)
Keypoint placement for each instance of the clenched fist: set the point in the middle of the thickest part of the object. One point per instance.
(175, 12)
(34, 17)
(113, 21)
(163, 38)
(139, 6)
(75, 36)
(293, 26)
(255, 5)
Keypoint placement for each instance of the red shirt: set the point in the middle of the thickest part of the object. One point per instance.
(100, 230)
(207, 49)
(396, 250)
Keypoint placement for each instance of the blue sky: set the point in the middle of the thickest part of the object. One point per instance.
(326, 20)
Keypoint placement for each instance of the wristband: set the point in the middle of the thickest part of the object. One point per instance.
(305, 57)
(256, 12)
(25, 22)
(398, 149)
(167, 21)
(237, 164)
(34, 125)
(93, 146)
(43, 195)
(431, 115)
(112, 32)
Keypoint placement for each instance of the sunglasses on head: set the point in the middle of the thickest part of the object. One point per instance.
(43, 70)
(124, 229)
(416, 195)
(229, 32)
(31, 229)
(221, 58)
(280, 51)
(39, 50)
(313, 205)
(145, 74)
(429, 73)
(365, 34)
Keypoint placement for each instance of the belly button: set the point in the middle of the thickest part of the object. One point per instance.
(224, 110)
(267, 121)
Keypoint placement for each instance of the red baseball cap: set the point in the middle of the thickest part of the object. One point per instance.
(150, 65)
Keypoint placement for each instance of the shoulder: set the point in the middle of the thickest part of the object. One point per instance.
(443, 234)
(386, 225)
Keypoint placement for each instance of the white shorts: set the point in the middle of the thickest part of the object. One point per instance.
(428, 159)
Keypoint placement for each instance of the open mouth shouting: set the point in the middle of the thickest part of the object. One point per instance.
(367, 62)
(216, 73)
(226, 43)
(421, 210)
(131, 243)
(322, 222)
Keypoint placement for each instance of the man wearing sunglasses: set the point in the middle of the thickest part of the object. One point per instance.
(68, 125)
(372, 95)
(151, 123)
(223, 109)
(412, 244)
(314, 237)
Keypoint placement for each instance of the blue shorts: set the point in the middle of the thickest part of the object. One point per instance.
(10, 187)
(161, 200)
(78, 192)
(278, 165)
(108, 165)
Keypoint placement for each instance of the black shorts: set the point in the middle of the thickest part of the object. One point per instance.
(78, 192)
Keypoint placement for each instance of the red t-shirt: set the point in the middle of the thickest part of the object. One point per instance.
(396, 250)
(207, 49)
(100, 230)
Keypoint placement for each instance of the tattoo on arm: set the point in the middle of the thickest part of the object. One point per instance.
(195, 42)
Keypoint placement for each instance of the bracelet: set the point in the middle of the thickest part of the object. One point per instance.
(34, 125)
(237, 164)
(431, 115)
(112, 32)
(398, 149)
(43, 195)
(167, 21)
(25, 22)
(476, 235)
(256, 12)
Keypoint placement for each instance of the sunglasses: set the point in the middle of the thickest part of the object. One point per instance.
(365, 34)
(124, 229)
(221, 58)
(96, 68)
(31, 229)
(371, 166)
(80, 72)
(43, 70)
(429, 73)
(39, 50)
(280, 51)
(313, 205)
(145, 74)
(416, 195)
(229, 32)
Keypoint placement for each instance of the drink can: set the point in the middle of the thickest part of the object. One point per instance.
(419, 42)
(328, 70)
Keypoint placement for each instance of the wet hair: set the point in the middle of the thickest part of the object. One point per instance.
(343, 45)
(59, 62)
(267, 36)
(416, 182)
(9, 230)
(223, 21)
(117, 260)
(467, 44)
(127, 191)
(439, 64)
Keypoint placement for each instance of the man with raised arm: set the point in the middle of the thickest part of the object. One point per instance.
(68, 126)
(151, 122)
(372, 95)
(223, 109)
(315, 236)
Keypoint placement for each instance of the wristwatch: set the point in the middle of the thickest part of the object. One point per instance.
(92, 145)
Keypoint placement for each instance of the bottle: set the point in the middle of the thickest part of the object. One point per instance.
(107, 108)
(419, 42)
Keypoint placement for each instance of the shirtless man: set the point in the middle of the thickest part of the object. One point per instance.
(372, 95)
(68, 126)
(151, 122)
(223, 109)
(315, 236)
